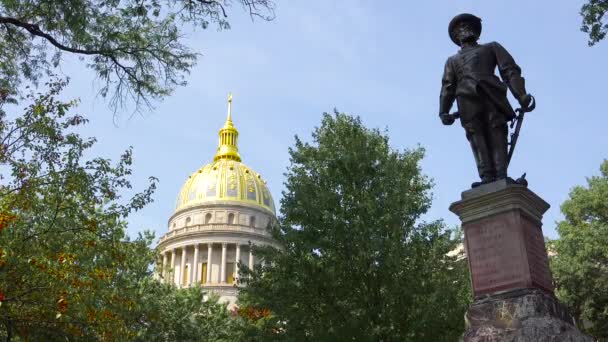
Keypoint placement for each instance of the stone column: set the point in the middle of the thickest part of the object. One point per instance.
(237, 259)
(172, 272)
(510, 274)
(163, 271)
(194, 272)
(182, 268)
(250, 257)
(223, 264)
(190, 268)
(209, 254)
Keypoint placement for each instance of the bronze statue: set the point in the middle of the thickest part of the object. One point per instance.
(483, 108)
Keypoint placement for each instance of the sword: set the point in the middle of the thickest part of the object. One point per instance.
(517, 122)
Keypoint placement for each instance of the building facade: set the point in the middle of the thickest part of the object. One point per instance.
(223, 209)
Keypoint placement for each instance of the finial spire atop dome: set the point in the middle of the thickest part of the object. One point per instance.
(229, 135)
(229, 107)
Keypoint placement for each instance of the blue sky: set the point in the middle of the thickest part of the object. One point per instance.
(381, 60)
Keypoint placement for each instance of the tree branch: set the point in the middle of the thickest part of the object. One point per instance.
(35, 30)
(212, 2)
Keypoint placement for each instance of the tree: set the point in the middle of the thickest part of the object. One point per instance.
(580, 255)
(594, 16)
(68, 271)
(168, 314)
(135, 47)
(355, 261)
(64, 251)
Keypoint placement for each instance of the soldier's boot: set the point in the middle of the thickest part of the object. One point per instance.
(481, 152)
(499, 150)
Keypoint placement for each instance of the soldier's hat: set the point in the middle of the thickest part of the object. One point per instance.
(474, 20)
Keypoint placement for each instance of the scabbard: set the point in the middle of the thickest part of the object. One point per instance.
(514, 136)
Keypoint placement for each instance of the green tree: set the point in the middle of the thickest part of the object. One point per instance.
(594, 20)
(68, 271)
(356, 262)
(580, 260)
(168, 314)
(135, 47)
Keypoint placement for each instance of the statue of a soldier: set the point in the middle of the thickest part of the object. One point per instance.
(481, 96)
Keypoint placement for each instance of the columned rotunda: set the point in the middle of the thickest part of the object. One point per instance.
(223, 208)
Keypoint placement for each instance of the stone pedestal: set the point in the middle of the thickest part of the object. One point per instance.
(509, 267)
(526, 315)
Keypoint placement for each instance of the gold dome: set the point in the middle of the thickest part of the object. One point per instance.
(226, 179)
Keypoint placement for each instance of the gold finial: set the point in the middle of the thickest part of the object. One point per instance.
(228, 135)
(229, 107)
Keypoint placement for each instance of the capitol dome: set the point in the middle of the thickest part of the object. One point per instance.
(223, 209)
(225, 181)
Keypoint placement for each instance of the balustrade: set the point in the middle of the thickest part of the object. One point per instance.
(213, 227)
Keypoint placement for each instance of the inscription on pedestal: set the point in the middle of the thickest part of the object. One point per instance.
(537, 256)
(496, 257)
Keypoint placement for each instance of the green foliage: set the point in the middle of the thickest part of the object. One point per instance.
(135, 47)
(594, 16)
(355, 261)
(67, 269)
(580, 261)
(168, 314)
(64, 251)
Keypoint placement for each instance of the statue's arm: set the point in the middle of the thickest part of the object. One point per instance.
(448, 88)
(510, 72)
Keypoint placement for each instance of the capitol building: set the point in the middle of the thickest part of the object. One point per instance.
(223, 209)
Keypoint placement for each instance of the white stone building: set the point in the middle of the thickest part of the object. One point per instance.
(223, 208)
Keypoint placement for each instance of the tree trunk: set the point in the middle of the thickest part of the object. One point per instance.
(9, 330)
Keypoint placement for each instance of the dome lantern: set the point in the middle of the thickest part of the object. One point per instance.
(228, 138)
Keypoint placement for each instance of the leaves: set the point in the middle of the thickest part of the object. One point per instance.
(594, 20)
(135, 47)
(355, 261)
(49, 198)
(5, 219)
(580, 256)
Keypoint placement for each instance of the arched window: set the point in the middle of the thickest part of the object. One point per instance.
(231, 218)
(208, 218)
(252, 221)
(188, 220)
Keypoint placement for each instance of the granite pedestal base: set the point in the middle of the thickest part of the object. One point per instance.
(510, 274)
(528, 315)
